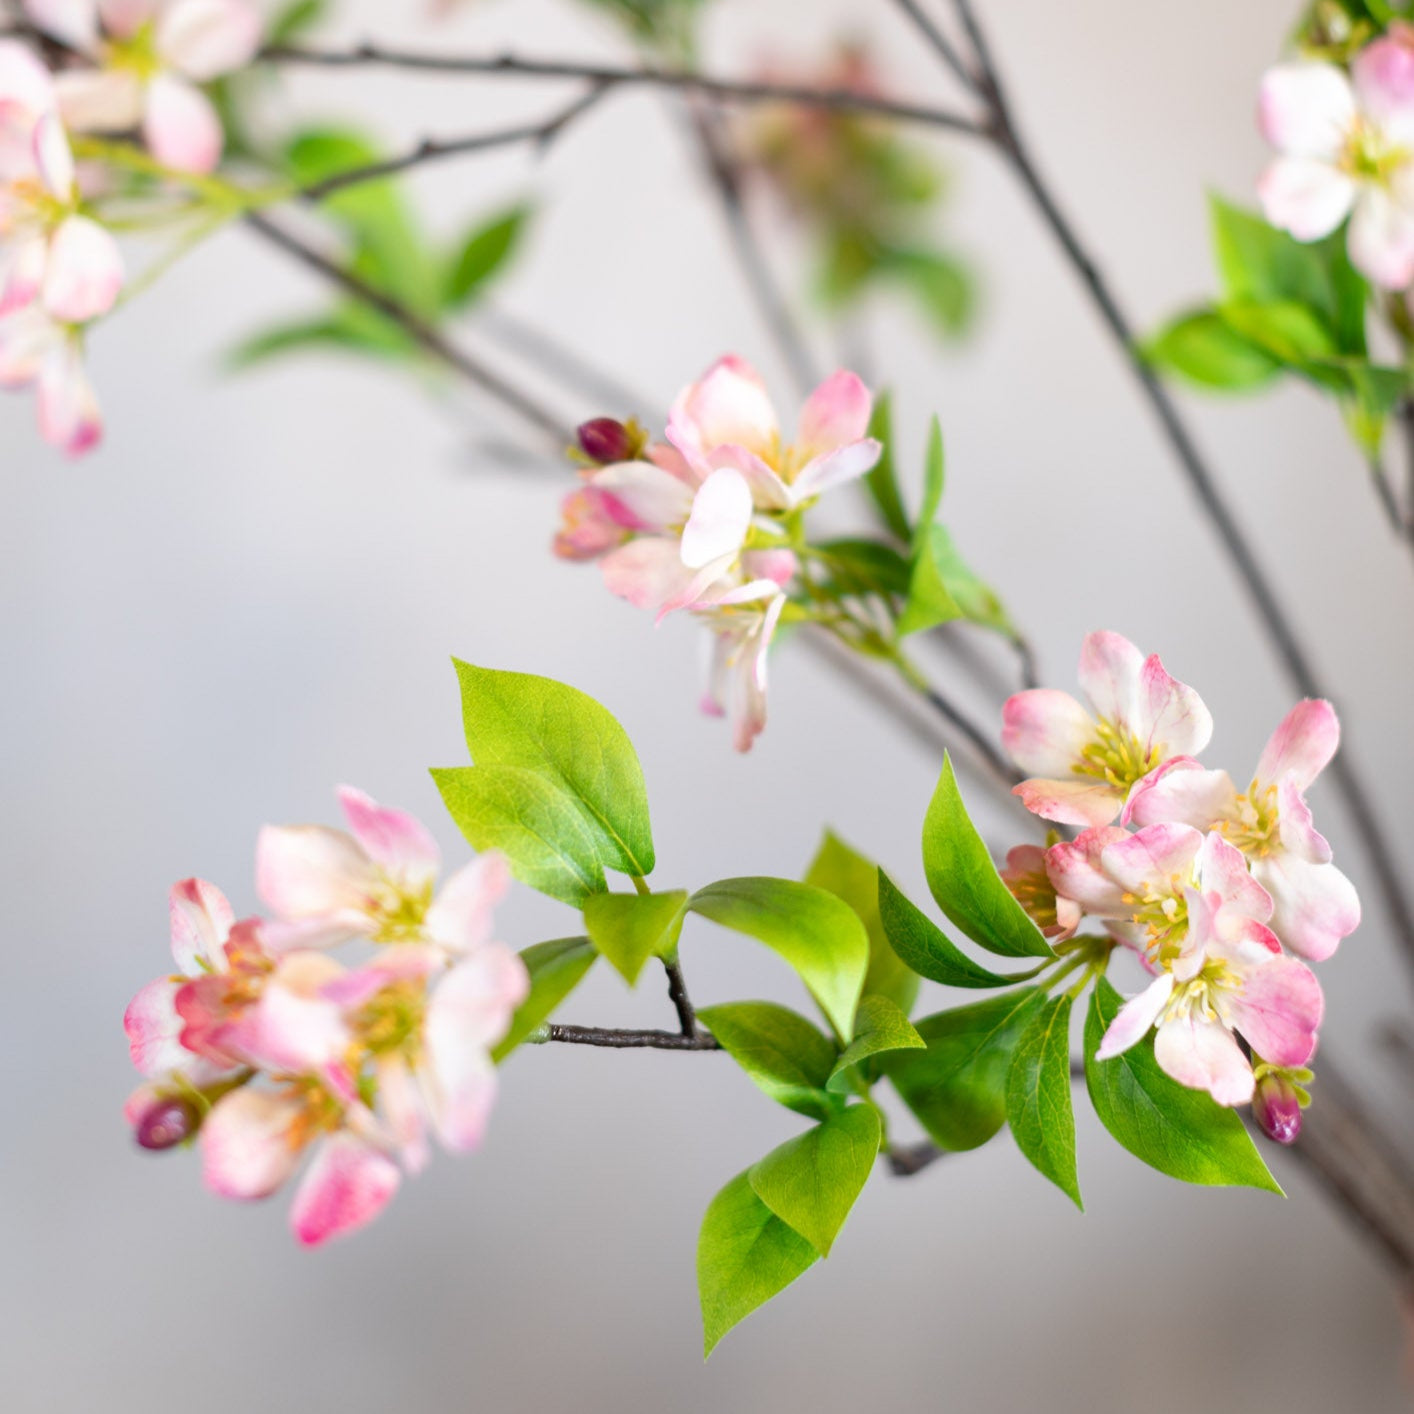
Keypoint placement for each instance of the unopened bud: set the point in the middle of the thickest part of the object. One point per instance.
(166, 1123)
(605, 440)
(1277, 1103)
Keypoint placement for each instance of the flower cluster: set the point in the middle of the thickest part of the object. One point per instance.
(1346, 142)
(1224, 894)
(709, 521)
(128, 65)
(264, 1048)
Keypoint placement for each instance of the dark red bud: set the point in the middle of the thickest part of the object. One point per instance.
(166, 1123)
(1276, 1106)
(604, 440)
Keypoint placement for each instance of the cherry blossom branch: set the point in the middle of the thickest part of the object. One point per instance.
(642, 75)
(540, 134)
(424, 334)
(1002, 130)
(631, 1040)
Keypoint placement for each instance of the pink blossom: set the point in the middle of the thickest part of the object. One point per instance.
(36, 350)
(736, 675)
(48, 250)
(726, 420)
(1084, 761)
(1188, 904)
(1025, 875)
(1315, 905)
(1347, 149)
(149, 56)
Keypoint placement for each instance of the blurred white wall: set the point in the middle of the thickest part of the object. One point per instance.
(252, 593)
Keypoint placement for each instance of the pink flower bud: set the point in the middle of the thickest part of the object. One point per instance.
(166, 1123)
(1276, 1106)
(605, 440)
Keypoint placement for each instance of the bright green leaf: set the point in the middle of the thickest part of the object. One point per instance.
(556, 969)
(965, 882)
(882, 480)
(879, 1026)
(745, 1256)
(934, 475)
(957, 1086)
(628, 929)
(861, 567)
(977, 601)
(1181, 1132)
(1259, 262)
(567, 738)
(537, 827)
(819, 935)
(846, 873)
(811, 1182)
(930, 602)
(483, 254)
(926, 949)
(1038, 1096)
(1203, 348)
(784, 1054)
(1289, 332)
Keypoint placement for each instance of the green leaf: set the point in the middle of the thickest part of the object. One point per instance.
(930, 602)
(1259, 262)
(846, 873)
(745, 1255)
(1203, 348)
(882, 480)
(965, 882)
(812, 1181)
(858, 567)
(482, 255)
(879, 1026)
(934, 475)
(574, 744)
(340, 330)
(977, 601)
(1289, 332)
(556, 969)
(537, 827)
(942, 286)
(294, 21)
(785, 1055)
(1038, 1096)
(1181, 1132)
(820, 936)
(628, 929)
(927, 950)
(957, 1086)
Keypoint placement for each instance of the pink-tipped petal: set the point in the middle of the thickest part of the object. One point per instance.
(648, 572)
(100, 100)
(835, 414)
(473, 1002)
(1173, 720)
(309, 871)
(1382, 75)
(249, 1143)
(1110, 671)
(26, 86)
(295, 1028)
(1073, 867)
(27, 338)
(400, 1103)
(1222, 869)
(1381, 238)
(1157, 854)
(779, 566)
(204, 39)
(1302, 745)
(643, 496)
(201, 919)
(69, 415)
(1044, 731)
(123, 18)
(72, 22)
(396, 841)
(181, 128)
(1297, 827)
(85, 271)
(23, 260)
(1204, 1055)
(154, 1029)
(1278, 1010)
(844, 464)
(720, 519)
(1315, 904)
(1182, 792)
(1135, 1018)
(1306, 110)
(1304, 196)
(728, 406)
(460, 917)
(1073, 802)
(347, 1186)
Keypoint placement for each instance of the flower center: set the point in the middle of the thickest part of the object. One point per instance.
(137, 54)
(1037, 895)
(1163, 915)
(399, 913)
(319, 1111)
(1252, 828)
(33, 208)
(1117, 757)
(1199, 995)
(392, 1020)
(1369, 156)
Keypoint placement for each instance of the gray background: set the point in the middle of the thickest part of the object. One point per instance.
(252, 594)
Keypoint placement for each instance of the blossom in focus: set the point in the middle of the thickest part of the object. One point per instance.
(48, 251)
(1026, 877)
(147, 59)
(38, 351)
(1085, 760)
(1346, 146)
(1315, 905)
(736, 675)
(1188, 904)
